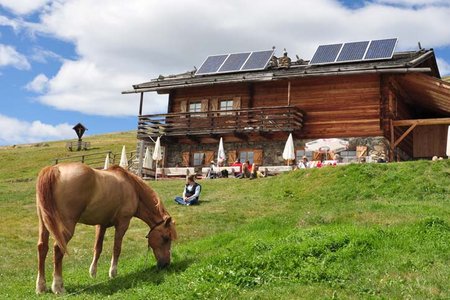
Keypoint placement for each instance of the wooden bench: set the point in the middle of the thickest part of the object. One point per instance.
(175, 172)
(273, 170)
(231, 170)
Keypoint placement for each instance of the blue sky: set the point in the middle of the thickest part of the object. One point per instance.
(64, 62)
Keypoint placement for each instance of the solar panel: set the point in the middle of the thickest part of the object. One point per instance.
(212, 64)
(258, 60)
(325, 54)
(353, 51)
(234, 62)
(381, 49)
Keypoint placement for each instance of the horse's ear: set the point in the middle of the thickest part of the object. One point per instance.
(168, 221)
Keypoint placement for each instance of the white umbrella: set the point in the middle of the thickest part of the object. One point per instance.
(157, 155)
(148, 159)
(448, 142)
(289, 150)
(106, 162)
(327, 145)
(220, 152)
(123, 158)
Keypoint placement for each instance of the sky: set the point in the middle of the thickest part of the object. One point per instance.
(67, 61)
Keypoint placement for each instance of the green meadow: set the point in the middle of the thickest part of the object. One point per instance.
(362, 231)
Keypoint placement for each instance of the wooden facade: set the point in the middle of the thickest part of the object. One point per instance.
(250, 110)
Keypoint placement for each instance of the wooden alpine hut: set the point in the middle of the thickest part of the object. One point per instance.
(385, 103)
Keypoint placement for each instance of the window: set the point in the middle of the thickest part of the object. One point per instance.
(300, 153)
(226, 105)
(199, 158)
(246, 155)
(195, 107)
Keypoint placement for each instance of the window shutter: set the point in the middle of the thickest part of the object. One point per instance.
(183, 107)
(209, 157)
(232, 156)
(258, 157)
(317, 155)
(214, 104)
(204, 105)
(185, 156)
(361, 151)
(237, 103)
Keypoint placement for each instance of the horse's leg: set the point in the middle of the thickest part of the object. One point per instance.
(58, 284)
(121, 228)
(98, 246)
(42, 254)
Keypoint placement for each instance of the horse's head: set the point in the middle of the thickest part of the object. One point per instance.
(160, 240)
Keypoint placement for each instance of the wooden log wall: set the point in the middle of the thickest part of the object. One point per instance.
(335, 106)
(220, 92)
(338, 106)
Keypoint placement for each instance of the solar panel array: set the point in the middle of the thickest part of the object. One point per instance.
(354, 51)
(235, 62)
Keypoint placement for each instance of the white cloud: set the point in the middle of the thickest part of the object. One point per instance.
(38, 85)
(412, 3)
(23, 7)
(14, 131)
(4, 21)
(444, 67)
(120, 43)
(10, 57)
(42, 55)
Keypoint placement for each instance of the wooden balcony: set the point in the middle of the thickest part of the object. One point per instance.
(240, 121)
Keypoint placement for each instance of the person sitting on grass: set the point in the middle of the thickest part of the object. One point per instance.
(256, 173)
(246, 171)
(191, 193)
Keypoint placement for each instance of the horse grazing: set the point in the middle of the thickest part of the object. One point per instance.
(72, 193)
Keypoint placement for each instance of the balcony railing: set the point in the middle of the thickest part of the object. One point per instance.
(263, 120)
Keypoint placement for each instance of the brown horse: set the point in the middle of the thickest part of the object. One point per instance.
(72, 193)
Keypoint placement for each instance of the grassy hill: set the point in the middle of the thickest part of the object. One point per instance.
(373, 231)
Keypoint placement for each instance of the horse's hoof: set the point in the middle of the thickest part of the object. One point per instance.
(40, 286)
(58, 289)
(93, 272)
(112, 273)
(41, 289)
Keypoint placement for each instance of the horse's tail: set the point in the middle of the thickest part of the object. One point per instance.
(45, 200)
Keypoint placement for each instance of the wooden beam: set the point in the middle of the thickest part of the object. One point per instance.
(141, 103)
(419, 122)
(289, 93)
(391, 141)
(405, 134)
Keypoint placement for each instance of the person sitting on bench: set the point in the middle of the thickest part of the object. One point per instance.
(191, 193)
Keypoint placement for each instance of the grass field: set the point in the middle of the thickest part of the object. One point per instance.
(369, 231)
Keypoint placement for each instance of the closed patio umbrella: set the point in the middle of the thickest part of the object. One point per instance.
(106, 162)
(220, 152)
(289, 150)
(157, 155)
(147, 159)
(326, 145)
(123, 158)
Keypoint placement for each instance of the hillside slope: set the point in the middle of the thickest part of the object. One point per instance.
(359, 231)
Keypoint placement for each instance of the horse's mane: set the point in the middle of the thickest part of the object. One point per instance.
(145, 193)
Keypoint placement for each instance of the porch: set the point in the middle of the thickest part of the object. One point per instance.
(239, 121)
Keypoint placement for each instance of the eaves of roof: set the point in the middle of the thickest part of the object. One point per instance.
(402, 62)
